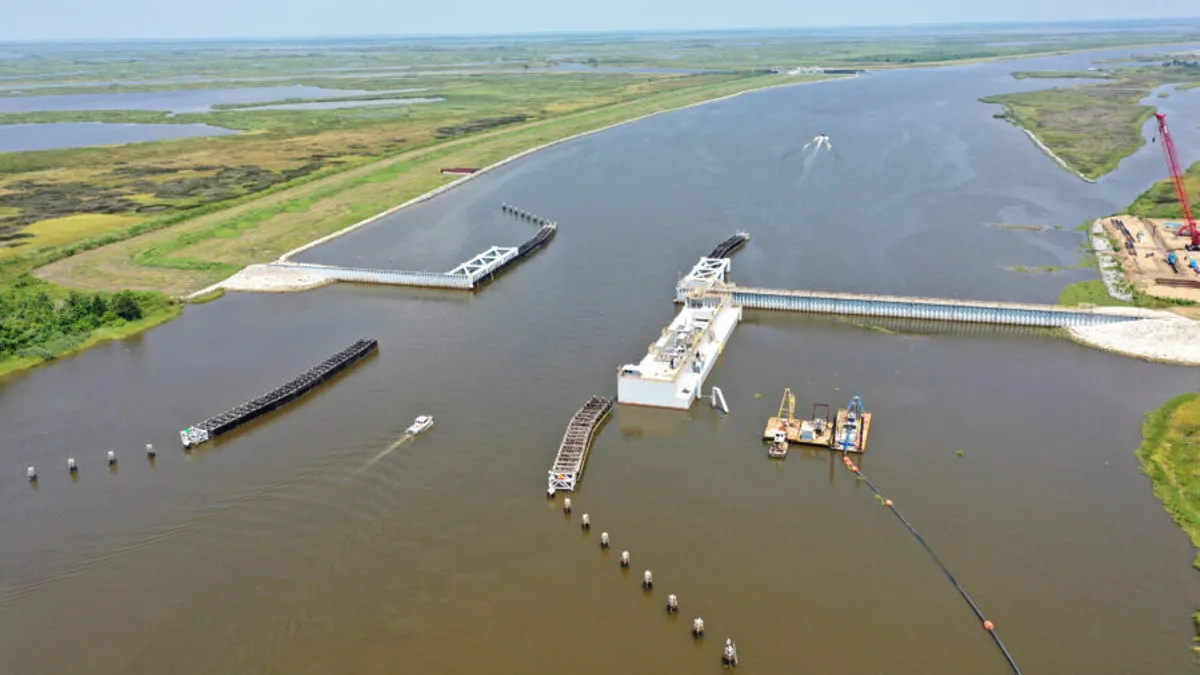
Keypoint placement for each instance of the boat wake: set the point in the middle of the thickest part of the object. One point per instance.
(388, 450)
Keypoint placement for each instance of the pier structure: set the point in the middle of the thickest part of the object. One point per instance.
(577, 440)
(276, 398)
(469, 275)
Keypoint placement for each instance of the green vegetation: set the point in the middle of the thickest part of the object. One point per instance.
(207, 297)
(1040, 269)
(1060, 74)
(401, 95)
(109, 68)
(1160, 201)
(1170, 456)
(1091, 292)
(40, 321)
(1092, 127)
(174, 216)
(110, 116)
(200, 251)
(150, 181)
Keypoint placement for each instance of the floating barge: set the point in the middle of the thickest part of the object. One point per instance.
(573, 450)
(819, 430)
(544, 234)
(731, 245)
(852, 427)
(672, 373)
(278, 397)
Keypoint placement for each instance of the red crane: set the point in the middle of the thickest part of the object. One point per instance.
(1189, 227)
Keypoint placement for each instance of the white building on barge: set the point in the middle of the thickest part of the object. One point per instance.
(673, 372)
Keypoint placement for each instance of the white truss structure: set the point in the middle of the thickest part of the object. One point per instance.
(707, 273)
(481, 265)
(562, 480)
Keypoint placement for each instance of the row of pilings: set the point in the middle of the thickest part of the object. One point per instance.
(525, 215)
(729, 655)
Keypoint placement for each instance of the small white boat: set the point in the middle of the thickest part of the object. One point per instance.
(420, 425)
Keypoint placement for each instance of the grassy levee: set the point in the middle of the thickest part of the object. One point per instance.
(1170, 456)
(1090, 127)
(197, 252)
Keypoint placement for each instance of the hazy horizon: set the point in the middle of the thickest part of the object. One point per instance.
(141, 20)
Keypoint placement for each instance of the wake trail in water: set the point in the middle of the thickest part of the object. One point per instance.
(386, 451)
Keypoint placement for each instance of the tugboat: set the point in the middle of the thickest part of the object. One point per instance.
(781, 426)
(420, 425)
(779, 445)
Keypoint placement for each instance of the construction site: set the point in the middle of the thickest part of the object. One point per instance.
(1160, 258)
(1155, 257)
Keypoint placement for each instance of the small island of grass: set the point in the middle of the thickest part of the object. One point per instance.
(1170, 456)
(1090, 128)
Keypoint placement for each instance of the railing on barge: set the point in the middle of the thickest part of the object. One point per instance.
(573, 450)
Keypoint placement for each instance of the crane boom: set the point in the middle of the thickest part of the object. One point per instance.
(1189, 227)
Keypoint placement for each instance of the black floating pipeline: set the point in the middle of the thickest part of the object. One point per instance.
(278, 397)
(987, 625)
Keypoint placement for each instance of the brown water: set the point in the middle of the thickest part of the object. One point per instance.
(299, 545)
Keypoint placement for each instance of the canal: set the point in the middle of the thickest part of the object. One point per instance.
(301, 544)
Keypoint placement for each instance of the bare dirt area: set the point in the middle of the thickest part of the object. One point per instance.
(1144, 248)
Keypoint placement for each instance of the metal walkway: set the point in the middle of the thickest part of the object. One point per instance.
(938, 309)
(466, 276)
(573, 451)
(710, 277)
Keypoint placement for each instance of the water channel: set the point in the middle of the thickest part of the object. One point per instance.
(300, 545)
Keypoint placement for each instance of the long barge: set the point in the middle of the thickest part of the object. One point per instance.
(577, 440)
(278, 397)
(731, 245)
(543, 236)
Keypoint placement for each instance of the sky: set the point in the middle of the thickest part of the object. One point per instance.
(22, 20)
